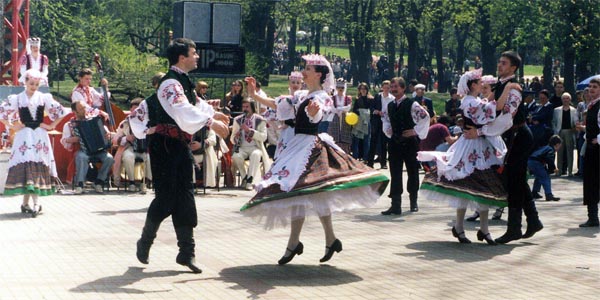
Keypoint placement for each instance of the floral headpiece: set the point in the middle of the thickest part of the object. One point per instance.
(463, 88)
(320, 60)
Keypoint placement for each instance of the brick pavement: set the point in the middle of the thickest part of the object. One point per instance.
(83, 247)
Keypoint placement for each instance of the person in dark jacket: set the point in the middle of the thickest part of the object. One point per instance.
(540, 164)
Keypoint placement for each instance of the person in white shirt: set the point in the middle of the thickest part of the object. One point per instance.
(33, 59)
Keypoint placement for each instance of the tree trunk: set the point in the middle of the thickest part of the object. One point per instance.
(390, 48)
(317, 38)
(413, 46)
(268, 47)
(436, 36)
(488, 55)
(292, 45)
(461, 37)
(569, 61)
(547, 73)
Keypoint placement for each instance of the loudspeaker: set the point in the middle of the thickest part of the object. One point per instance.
(207, 23)
(192, 20)
(226, 23)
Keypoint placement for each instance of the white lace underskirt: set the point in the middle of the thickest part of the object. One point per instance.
(279, 213)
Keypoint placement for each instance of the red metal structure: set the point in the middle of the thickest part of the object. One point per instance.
(15, 15)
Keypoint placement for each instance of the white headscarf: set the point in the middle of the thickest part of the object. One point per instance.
(463, 88)
(320, 60)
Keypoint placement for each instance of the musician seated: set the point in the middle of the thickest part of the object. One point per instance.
(204, 145)
(248, 137)
(130, 149)
(72, 140)
(85, 93)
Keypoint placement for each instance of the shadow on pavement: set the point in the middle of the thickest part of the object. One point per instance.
(379, 218)
(453, 250)
(259, 279)
(14, 216)
(127, 211)
(590, 232)
(117, 283)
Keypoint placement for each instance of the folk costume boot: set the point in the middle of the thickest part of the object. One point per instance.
(533, 220)
(395, 209)
(414, 207)
(513, 231)
(145, 242)
(592, 216)
(186, 244)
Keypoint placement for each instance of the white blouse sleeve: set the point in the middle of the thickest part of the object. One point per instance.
(325, 107)
(479, 111)
(9, 109)
(421, 119)
(188, 117)
(138, 120)
(53, 108)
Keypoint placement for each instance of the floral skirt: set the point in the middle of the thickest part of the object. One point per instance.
(482, 187)
(330, 181)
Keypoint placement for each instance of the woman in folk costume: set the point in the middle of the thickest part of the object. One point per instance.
(312, 175)
(467, 174)
(33, 59)
(338, 129)
(31, 164)
(280, 112)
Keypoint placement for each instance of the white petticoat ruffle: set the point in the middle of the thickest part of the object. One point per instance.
(453, 201)
(279, 213)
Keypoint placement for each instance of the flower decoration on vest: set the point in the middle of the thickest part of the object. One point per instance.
(463, 88)
(320, 60)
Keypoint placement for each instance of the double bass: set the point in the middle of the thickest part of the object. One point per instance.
(115, 114)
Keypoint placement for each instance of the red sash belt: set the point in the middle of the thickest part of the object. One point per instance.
(173, 131)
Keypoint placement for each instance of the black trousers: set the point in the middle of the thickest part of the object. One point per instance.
(172, 165)
(591, 174)
(378, 138)
(400, 154)
(515, 171)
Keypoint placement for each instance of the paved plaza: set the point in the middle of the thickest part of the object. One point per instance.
(83, 247)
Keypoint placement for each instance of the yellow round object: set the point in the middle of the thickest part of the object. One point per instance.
(351, 118)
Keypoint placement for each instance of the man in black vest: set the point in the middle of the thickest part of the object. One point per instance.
(591, 172)
(173, 116)
(405, 122)
(519, 141)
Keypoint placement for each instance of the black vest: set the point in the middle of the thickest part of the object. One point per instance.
(27, 119)
(591, 122)
(156, 112)
(401, 117)
(303, 125)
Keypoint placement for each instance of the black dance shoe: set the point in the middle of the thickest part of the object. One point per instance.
(536, 195)
(487, 237)
(590, 223)
(25, 209)
(335, 247)
(551, 197)
(532, 228)
(463, 239)
(392, 211)
(188, 261)
(37, 209)
(474, 217)
(286, 259)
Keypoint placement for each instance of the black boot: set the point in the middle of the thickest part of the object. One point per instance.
(395, 209)
(513, 231)
(592, 216)
(533, 221)
(185, 241)
(414, 207)
(145, 242)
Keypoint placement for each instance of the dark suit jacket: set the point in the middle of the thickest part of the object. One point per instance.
(544, 115)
